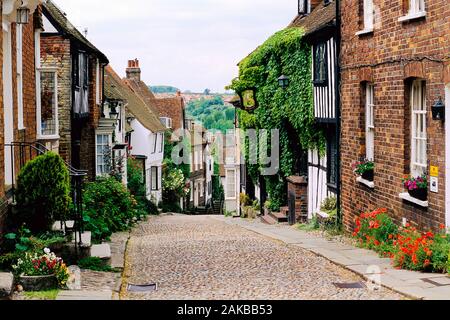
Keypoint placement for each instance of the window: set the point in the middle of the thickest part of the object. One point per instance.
(103, 153)
(416, 6)
(368, 14)
(161, 144)
(154, 142)
(154, 178)
(418, 129)
(320, 64)
(331, 160)
(167, 122)
(19, 72)
(231, 184)
(48, 103)
(370, 123)
(302, 6)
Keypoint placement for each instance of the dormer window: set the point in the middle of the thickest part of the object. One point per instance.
(303, 6)
(167, 122)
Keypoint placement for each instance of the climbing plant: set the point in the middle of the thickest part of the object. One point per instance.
(290, 110)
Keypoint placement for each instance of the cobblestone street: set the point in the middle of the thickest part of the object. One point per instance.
(198, 257)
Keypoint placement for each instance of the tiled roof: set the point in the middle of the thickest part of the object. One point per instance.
(115, 88)
(320, 17)
(167, 107)
(59, 18)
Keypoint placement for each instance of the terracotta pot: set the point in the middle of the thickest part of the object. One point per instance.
(38, 283)
(420, 194)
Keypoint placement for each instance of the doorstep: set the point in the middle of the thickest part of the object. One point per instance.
(365, 263)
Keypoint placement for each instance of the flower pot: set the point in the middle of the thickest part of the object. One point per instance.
(420, 194)
(368, 175)
(38, 283)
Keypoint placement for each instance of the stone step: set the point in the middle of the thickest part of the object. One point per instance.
(267, 219)
(284, 210)
(280, 217)
(57, 225)
(85, 238)
(102, 251)
(6, 284)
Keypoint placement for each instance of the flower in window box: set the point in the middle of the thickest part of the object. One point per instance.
(364, 169)
(417, 187)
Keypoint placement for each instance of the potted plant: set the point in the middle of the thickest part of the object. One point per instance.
(417, 187)
(41, 272)
(365, 169)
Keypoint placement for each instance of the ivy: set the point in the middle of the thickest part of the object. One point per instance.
(290, 110)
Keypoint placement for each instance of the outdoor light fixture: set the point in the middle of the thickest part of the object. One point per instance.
(130, 119)
(23, 14)
(438, 110)
(283, 81)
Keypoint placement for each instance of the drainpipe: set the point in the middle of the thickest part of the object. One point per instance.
(338, 110)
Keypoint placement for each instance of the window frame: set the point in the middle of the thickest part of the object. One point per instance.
(370, 121)
(227, 183)
(317, 63)
(414, 7)
(41, 136)
(368, 14)
(152, 174)
(19, 76)
(109, 135)
(418, 160)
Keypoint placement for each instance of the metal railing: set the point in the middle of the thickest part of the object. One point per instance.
(27, 151)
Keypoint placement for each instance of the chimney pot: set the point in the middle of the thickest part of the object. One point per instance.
(133, 70)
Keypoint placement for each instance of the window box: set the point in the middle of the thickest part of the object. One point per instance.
(407, 197)
(420, 194)
(368, 175)
(369, 184)
(413, 16)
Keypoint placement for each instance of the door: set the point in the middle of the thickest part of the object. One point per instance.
(196, 194)
(447, 159)
(8, 103)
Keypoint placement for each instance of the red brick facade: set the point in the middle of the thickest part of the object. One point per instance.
(390, 58)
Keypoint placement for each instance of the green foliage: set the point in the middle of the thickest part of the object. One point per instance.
(95, 264)
(363, 167)
(43, 192)
(41, 295)
(245, 199)
(163, 89)
(137, 189)
(218, 190)
(212, 113)
(290, 110)
(108, 208)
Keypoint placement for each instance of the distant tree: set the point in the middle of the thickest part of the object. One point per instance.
(207, 92)
(163, 89)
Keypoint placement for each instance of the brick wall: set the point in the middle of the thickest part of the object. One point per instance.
(55, 53)
(390, 57)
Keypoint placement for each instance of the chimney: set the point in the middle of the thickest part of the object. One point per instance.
(133, 70)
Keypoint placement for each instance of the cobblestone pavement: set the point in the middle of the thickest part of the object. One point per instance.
(198, 257)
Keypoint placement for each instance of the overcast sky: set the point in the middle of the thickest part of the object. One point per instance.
(189, 44)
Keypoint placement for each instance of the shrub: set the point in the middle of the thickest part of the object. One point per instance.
(376, 231)
(245, 200)
(108, 208)
(136, 187)
(43, 192)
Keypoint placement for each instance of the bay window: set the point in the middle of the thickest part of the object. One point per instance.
(418, 128)
(370, 123)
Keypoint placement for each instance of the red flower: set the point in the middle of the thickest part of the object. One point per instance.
(442, 226)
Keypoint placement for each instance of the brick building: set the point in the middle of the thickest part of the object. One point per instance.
(395, 68)
(72, 67)
(19, 44)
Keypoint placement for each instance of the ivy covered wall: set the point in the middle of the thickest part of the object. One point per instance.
(290, 109)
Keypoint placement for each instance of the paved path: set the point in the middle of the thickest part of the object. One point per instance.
(201, 257)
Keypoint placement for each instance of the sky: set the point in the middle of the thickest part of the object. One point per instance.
(188, 44)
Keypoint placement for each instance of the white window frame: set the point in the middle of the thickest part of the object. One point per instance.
(19, 74)
(370, 122)
(161, 144)
(416, 7)
(39, 104)
(368, 14)
(152, 174)
(109, 135)
(419, 161)
(230, 173)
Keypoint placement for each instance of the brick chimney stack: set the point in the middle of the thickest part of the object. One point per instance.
(133, 70)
